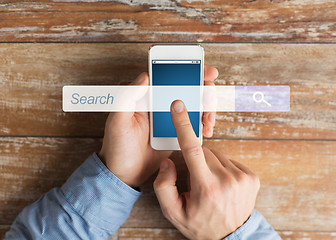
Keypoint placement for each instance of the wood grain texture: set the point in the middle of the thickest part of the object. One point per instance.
(165, 234)
(174, 234)
(32, 166)
(297, 178)
(168, 21)
(32, 77)
(3, 230)
(150, 234)
(289, 235)
(294, 153)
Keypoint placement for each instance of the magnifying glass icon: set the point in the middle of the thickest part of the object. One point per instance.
(260, 98)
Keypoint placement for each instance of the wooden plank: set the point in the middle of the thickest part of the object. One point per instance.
(168, 21)
(159, 233)
(297, 186)
(150, 234)
(289, 235)
(32, 166)
(298, 66)
(3, 230)
(32, 77)
(297, 178)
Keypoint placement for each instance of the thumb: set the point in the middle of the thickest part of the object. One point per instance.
(166, 191)
(142, 79)
(131, 97)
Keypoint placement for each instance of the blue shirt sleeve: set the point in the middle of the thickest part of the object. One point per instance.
(256, 227)
(92, 204)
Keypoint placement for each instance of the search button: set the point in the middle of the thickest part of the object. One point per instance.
(261, 98)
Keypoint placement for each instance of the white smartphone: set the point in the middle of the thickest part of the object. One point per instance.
(174, 65)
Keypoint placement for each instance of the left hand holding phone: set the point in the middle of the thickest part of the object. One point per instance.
(126, 149)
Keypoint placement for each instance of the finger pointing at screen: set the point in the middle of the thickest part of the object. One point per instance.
(189, 143)
(222, 192)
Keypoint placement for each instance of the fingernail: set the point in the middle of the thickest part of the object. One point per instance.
(178, 106)
(164, 166)
(140, 78)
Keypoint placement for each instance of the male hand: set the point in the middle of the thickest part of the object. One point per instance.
(126, 149)
(222, 192)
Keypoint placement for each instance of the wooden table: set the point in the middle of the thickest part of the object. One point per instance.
(47, 44)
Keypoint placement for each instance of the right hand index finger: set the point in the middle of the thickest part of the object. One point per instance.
(189, 143)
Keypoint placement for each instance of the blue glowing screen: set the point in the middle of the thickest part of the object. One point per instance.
(164, 74)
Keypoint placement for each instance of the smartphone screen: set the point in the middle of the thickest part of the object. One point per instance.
(174, 73)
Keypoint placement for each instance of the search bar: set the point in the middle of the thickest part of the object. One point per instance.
(159, 98)
(177, 61)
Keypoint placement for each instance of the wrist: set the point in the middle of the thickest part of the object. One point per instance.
(91, 186)
(102, 156)
(235, 228)
(250, 222)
